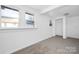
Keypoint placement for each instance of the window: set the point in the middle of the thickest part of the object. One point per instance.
(29, 20)
(9, 17)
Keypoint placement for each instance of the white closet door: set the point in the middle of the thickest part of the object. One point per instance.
(59, 27)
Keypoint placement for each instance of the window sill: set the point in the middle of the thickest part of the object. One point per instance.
(15, 28)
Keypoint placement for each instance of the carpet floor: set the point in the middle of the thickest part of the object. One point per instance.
(54, 45)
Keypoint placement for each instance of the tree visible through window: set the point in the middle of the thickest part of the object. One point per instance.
(9, 17)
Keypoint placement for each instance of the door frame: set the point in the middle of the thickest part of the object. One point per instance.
(64, 26)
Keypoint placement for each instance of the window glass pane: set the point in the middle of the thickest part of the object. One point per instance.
(3, 25)
(28, 17)
(9, 17)
(11, 25)
(29, 21)
(9, 13)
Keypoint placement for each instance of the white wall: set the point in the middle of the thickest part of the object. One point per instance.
(12, 40)
(73, 27)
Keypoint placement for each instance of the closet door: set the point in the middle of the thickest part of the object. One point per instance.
(59, 27)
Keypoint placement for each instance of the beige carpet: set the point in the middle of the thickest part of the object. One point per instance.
(54, 45)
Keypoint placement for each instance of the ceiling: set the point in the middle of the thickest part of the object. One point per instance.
(57, 10)
(72, 10)
(44, 8)
(40, 7)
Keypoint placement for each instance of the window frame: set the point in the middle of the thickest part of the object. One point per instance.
(3, 6)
